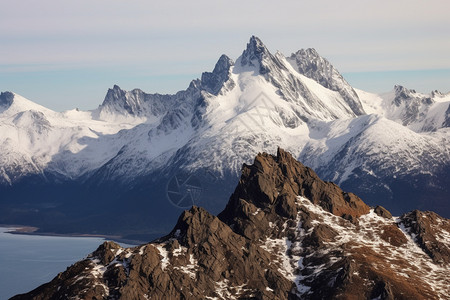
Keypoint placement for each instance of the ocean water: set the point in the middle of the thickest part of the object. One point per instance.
(27, 261)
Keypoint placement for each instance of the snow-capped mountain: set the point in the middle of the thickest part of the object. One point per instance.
(391, 149)
(37, 140)
(309, 63)
(284, 234)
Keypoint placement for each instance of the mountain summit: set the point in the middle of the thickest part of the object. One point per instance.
(141, 148)
(285, 234)
(309, 63)
(214, 81)
(257, 54)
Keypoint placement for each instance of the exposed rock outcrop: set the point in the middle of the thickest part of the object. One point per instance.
(214, 81)
(382, 212)
(272, 184)
(285, 234)
(427, 229)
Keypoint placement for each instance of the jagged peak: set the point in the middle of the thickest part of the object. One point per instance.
(119, 100)
(213, 81)
(265, 255)
(223, 64)
(116, 87)
(403, 94)
(114, 93)
(399, 89)
(255, 51)
(194, 224)
(308, 56)
(255, 44)
(437, 93)
(272, 183)
(309, 63)
(117, 92)
(312, 52)
(195, 215)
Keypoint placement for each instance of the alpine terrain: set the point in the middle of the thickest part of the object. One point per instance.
(284, 234)
(132, 165)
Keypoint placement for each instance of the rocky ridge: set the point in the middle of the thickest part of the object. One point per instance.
(412, 109)
(135, 143)
(309, 63)
(285, 234)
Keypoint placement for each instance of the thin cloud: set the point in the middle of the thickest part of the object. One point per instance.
(187, 37)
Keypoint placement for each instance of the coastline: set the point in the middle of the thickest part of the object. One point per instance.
(30, 230)
(17, 229)
(29, 259)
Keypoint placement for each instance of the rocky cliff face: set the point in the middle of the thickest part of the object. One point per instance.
(6, 98)
(309, 63)
(285, 234)
(281, 74)
(219, 78)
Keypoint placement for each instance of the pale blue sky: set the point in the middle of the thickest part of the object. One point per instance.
(66, 54)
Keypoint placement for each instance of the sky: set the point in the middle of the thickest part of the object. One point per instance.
(66, 54)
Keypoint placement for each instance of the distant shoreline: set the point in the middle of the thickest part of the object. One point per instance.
(30, 230)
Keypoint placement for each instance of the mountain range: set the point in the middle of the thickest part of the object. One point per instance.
(284, 234)
(133, 164)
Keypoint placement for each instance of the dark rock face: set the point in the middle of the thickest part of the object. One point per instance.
(427, 227)
(274, 183)
(215, 80)
(135, 102)
(285, 234)
(382, 212)
(256, 52)
(6, 99)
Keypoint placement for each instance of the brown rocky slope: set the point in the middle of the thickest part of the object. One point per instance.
(285, 234)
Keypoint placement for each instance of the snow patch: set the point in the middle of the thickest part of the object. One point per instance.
(165, 256)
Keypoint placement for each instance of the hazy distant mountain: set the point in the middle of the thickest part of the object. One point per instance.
(135, 162)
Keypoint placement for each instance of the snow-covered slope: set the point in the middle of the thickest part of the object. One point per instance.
(416, 111)
(35, 140)
(392, 146)
(309, 63)
(260, 100)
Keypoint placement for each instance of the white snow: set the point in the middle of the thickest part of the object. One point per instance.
(251, 117)
(409, 258)
(165, 255)
(97, 271)
(179, 251)
(288, 264)
(430, 117)
(240, 122)
(191, 268)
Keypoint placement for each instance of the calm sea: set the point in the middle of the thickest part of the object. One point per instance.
(27, 261)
